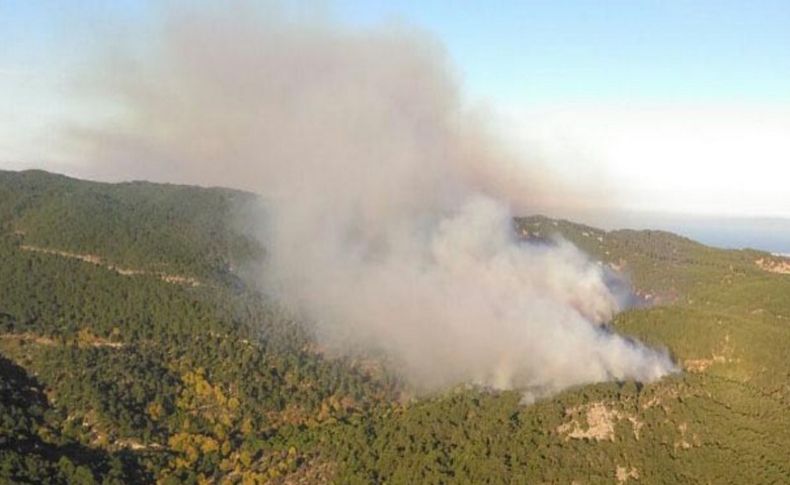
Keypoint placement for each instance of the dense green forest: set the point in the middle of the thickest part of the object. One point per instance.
(132, 350)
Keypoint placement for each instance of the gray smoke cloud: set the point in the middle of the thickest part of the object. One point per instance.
(389, 205)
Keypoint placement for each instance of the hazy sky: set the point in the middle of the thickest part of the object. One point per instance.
(675, 105)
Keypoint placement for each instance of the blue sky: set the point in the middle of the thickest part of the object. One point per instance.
(548, 51)
(514, 51)
(682, 102)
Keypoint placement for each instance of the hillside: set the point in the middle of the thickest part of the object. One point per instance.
(133, 351)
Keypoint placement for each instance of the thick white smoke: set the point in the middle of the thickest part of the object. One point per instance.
(390, 225)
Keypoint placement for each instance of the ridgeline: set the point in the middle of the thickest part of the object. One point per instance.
(133, 349)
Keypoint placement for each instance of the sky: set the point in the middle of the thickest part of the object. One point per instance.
(677, 106)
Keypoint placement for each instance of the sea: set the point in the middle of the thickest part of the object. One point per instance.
(771, 234)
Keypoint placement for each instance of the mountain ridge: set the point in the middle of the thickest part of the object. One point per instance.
(143, 380)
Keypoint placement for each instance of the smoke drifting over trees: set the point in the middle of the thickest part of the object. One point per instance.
(389, 221)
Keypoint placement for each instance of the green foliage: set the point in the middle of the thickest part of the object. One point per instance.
(31, 451)
(170, 228)
(142, 378)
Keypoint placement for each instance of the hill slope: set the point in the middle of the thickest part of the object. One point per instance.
(147, 359)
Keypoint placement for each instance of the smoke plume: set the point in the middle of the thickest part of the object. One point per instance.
(389, 220)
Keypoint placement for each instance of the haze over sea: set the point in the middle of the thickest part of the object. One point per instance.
(764, 233)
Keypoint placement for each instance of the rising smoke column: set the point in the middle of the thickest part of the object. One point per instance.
(389, 220)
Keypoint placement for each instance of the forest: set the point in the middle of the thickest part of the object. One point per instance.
(136, 348)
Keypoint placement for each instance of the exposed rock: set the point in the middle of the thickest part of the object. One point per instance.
(624, 473)
(600, 421)
(776, 264)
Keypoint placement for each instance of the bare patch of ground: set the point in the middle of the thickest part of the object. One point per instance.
(683, 443)
(623, 473)
(314, 472)
(595, 421)
(28, 337)
(135, 445)
(722, 355)
(774, 265)
(619, 265)
(84, 339)
(663, 397)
